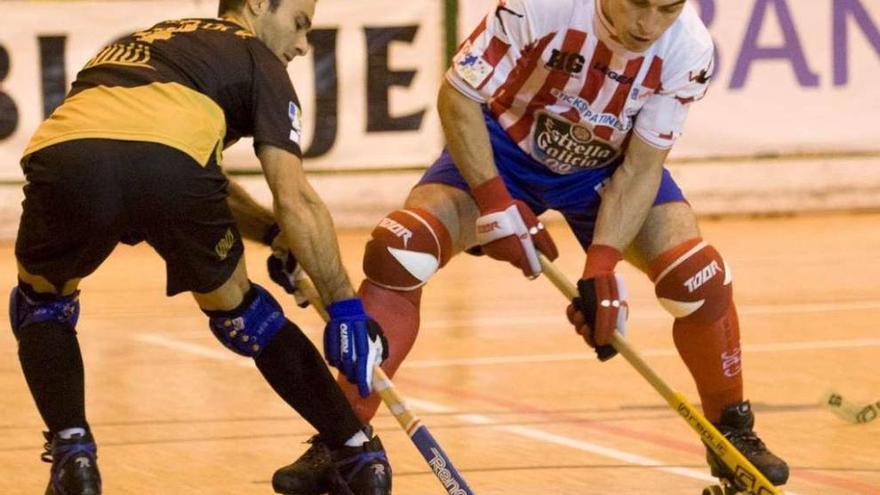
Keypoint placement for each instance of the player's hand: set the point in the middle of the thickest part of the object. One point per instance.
(283, 267)
(509, 231)
(601, 307)
(354, 343)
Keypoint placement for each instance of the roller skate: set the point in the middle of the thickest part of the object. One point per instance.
(360, 470)
(311, 474)
(74, 465)
(737, 423)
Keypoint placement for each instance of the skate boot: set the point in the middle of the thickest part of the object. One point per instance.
(74, 465)
(737, 423)
(362, 470)
(311, 474)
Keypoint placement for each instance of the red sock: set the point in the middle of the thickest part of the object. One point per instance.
(398, 314)
(693, 283)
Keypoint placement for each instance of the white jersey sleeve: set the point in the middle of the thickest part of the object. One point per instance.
(684, 80)
(511, 28)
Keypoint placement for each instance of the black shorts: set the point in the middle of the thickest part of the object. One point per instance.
(83, 197)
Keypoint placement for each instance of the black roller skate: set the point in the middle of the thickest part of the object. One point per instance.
(311, 474)
(360, 470)
(74, 465)
(737, 425)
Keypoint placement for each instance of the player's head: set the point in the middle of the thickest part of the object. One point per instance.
(281, 24)
(639, 23)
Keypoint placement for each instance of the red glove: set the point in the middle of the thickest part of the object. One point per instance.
(601, 309)
(509, 231)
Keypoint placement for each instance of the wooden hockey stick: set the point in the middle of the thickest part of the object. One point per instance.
(848, 411)
(747, 476)
(434, 455)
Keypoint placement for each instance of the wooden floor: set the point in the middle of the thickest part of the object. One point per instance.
(505, 385)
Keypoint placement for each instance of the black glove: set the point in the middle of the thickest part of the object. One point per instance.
(283, 268)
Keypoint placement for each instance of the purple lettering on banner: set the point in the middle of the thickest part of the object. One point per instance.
(707, 11)
(791, 48)
(839, 27)
(707, 15)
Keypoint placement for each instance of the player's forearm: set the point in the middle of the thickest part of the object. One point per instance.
(309, 229)
(629, 196)
(466, 135)
(625, 205)
(252, 218)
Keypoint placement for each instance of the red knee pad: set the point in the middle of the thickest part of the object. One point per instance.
(405, 250)
(693, 282)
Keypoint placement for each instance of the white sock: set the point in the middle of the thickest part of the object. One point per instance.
(69, 432)
(357, 439)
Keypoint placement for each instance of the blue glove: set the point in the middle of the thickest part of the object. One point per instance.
(354, 343)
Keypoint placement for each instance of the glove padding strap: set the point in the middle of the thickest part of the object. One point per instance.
(601, 309)
(354, 343)
(508, 230)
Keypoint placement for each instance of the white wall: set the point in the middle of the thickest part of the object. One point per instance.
(796, 78)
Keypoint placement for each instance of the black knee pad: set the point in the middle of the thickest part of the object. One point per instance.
(247, 329)
(27, 307)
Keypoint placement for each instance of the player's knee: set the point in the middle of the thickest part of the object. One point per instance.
(27, 307)
(406, 249)
(249, 328)
(696, 285)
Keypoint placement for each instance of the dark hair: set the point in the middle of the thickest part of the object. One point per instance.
(236, 5)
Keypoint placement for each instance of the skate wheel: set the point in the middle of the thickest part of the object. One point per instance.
(713, 490)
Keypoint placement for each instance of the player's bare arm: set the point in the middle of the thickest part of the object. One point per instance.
(629, 195)
(507, 229)
(305, 223)
(601, 308)
(466, 135)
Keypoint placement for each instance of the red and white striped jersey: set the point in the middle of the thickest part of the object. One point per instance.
(553, 75)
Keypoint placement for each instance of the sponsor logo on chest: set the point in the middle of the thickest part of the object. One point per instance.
(570, 62)
(566, 148)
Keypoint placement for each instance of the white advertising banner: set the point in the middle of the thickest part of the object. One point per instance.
(367, 87)
(794, 76)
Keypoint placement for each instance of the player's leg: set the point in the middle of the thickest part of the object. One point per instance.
(694, 283)
(406, 248)
(204, 255)
(71, 218)
(250, 322)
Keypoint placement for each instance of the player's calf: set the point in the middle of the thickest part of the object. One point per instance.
(737, 425)
(695, 284)
(74, 461)
(406, 248)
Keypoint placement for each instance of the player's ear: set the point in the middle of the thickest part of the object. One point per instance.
(257, 7)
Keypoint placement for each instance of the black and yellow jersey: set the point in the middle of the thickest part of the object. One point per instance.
(191, 84)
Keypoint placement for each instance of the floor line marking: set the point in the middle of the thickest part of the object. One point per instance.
(475, 419)
(581, 356)
(654, 313)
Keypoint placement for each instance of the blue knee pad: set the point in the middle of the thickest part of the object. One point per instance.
(247, 331)
(25, 309)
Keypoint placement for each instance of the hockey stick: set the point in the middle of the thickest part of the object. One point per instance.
(437, 460)
(849, 411)
(747, 476)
